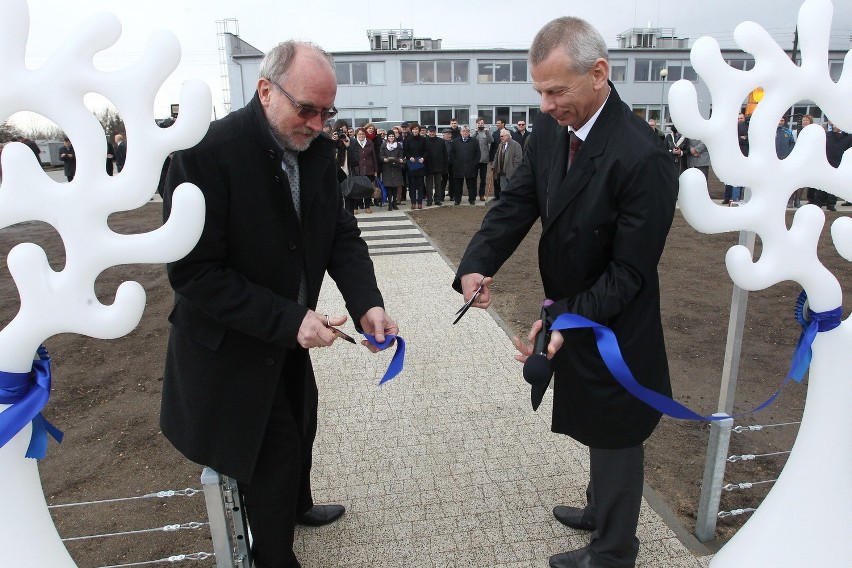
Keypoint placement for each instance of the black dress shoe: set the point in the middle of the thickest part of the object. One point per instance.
(574, 517)
(320, 515)
(579, 558)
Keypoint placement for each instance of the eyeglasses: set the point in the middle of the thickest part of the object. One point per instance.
(307, 112)
(521, 124)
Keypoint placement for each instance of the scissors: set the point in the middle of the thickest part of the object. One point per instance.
(463, 310)
(337, 332)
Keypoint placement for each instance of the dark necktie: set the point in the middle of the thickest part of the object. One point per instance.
(574, 145)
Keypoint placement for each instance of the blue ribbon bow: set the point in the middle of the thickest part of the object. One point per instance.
(611, 354)
(816, 322)
(28, 393)
(398, 360)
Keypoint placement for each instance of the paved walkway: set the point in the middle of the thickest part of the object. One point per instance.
(446, 465)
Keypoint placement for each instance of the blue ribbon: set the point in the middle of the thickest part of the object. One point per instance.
(398, 360)
(816, 322)
(28, 393)
(611, 354)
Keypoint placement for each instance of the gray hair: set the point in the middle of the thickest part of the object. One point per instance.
(580, 40)
(506, 132)
(277, 62)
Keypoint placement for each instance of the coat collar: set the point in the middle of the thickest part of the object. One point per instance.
(562, 190)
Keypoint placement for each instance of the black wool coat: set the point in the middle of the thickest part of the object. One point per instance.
(604, 227)
(236, 315)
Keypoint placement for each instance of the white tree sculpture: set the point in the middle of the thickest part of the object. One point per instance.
(806, 518)
(65, 301)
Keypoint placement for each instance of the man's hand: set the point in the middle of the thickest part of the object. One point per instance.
(470, 283)
(315, 332)
(377, 323)
(525, 350)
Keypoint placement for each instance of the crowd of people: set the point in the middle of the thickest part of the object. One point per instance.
(411, 162)
(693, 153)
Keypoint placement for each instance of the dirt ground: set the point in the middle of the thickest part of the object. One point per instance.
(106, 394)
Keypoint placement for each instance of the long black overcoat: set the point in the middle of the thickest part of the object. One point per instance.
(236, 315)
(604, 227)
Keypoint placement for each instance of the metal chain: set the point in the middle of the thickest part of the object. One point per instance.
(168, 528)
(746, 485)
(735, 512)
(176, 558)
(749, 457)
(758, 427)
(188, 492)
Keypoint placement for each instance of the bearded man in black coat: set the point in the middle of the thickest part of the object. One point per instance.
(239, 393)
(605, 216)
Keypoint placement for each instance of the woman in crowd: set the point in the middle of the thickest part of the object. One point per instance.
(362, 161)
(400, 191)
(392, 164)
(373, 137)
(415, 156)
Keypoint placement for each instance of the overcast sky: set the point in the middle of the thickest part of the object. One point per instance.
(341, 26)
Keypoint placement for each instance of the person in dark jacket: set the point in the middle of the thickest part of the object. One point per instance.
(603, 187)
(393, 162)
(362, 162)
(836, 143)
(464, 159)
(414, 151)
(436, 167)
(120, 152)
(239, 393)
(69, 160)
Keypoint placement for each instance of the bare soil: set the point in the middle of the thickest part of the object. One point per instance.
(106, 394)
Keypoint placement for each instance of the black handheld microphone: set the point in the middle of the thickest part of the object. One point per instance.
(537, 366)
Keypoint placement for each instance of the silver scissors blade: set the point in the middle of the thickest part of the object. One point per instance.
(463, 310)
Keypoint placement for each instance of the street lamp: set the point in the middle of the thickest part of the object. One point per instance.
(664, 72)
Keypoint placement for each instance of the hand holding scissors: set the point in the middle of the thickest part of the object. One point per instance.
(476, 286)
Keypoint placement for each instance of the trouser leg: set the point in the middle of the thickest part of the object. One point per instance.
(483, 173)
(497, 187)
(272, 494)
(306, 499)
(456, 188)
(471, 189)
(616, 478)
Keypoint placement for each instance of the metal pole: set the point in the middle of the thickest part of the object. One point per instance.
(720, 430)
(714, 472)
(228, 527)
(663, 74)
(218, 518)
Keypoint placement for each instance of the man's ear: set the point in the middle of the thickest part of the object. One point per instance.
(263, 90)
(600, 72)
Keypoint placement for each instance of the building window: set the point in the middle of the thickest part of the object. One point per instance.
(618, 70)
(356, 117)
(511, 114)
(441, 71)
(502, 71)
(439, 116)
(648, 70)
(835, 68)
(360, 73)
(741, 64)
(648, 112)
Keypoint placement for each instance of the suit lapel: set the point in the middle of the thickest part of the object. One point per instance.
(557, 165)
(560, 194)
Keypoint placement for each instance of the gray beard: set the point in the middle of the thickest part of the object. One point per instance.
(290, 144)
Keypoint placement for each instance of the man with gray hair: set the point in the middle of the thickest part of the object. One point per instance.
(507, 158)
(602, 184)
(239, 393)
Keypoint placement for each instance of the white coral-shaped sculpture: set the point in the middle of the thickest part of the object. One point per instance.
(65, 301)
(805, 519)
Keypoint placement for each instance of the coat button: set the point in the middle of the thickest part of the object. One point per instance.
(272, 154)
(292, 245)
(269, 361)
(276, 179)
